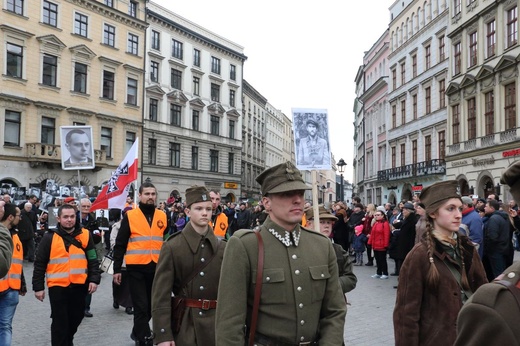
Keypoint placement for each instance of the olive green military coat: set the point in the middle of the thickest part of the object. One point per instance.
(180, 255)
(301, 295)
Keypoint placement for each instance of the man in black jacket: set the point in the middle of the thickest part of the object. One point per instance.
(243, 217)
(496, 240)
(26, 229)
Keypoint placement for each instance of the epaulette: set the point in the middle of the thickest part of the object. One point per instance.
(311, 231)
(171, 236)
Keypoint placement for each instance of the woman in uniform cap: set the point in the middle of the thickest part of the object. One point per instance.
(438, 275)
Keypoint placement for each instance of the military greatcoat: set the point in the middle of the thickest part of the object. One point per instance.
(301, 296)
(180, 255)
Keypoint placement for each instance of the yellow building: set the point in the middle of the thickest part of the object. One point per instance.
(64, 63)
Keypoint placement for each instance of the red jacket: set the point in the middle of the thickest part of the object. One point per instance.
(380, 236)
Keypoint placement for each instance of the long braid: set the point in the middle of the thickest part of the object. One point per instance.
(432, 277)
(464, 276)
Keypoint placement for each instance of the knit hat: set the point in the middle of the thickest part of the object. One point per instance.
(68, 200)
(281, 178)
(322, 212)
(196, 194)
(511, 177)
(358, 229)
(433, 195)
(381, 209)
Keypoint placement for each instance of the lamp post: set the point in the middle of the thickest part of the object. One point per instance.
(341, 166)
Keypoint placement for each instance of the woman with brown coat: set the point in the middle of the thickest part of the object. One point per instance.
(438, 275)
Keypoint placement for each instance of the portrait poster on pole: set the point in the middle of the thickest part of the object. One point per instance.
(77, 151)
(311, 139)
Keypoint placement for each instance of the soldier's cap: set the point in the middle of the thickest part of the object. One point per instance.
(281, 178)
(511, 177)
(322, 212)
(433, 195)
(195, 194)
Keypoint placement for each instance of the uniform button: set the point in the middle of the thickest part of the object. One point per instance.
(299, 289)
(202, 259)
(162, 330)
(302, 322)
(201, 313)
(202, 246)
(201, 288)
(322, 275)
(300, 306)
(294, 257)
(511, 275)
(201, 274)
(267, 278)
(297, 272)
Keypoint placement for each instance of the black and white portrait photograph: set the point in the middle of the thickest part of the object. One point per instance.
(34, 191)
(5, 189)
(312, 145)
(65, 191)
(102, 219)
(47, 200)
(52, 219)
(77, 151)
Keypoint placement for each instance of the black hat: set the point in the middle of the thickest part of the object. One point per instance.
(196, 194)
(281, 178)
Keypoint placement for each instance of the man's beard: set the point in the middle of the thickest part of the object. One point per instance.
(68, 230)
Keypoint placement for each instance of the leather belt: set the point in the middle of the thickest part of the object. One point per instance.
(204, 304)
(266, 341)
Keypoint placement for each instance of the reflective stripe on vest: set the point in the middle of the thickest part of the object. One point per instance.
(221, 225)
(65, 268)
(13, 278)
(145, 241)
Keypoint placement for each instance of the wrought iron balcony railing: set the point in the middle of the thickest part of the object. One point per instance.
(436, 166)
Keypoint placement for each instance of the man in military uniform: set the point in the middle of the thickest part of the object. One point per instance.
(313, 150)
(184, 254)
(301, 301)
(491, 315)
(219, 220)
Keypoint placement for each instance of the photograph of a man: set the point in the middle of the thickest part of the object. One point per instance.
(77, 151)
(312, 145)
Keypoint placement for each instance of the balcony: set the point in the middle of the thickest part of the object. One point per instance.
(487, 141)
(39, 154)
(413, 170)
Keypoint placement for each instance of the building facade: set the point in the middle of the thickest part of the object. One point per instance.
(65, 63)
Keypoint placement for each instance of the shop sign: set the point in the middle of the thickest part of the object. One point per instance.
(231, 185)
(483, 162)
(510, 153)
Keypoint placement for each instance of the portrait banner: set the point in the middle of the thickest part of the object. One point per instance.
(311, 139)
(77, 150)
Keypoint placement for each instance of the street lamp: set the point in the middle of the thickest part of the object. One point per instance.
(341, 166)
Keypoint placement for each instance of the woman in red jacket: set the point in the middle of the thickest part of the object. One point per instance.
(379, 239)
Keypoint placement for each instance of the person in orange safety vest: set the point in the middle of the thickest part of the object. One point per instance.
(219, 220)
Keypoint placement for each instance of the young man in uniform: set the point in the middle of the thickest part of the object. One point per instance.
(301, 301)
(195, 254)
(139, 240)
(67, 257)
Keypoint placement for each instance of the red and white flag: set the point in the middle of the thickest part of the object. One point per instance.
(114, 193)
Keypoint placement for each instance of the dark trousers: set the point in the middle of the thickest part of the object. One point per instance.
(398, 264)
(67, 311)
(369, 253)
(28, 249)
(382, 266)
(141, 292)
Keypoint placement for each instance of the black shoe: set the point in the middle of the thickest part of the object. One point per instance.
(115, 305)
(394, 274)
(129, 311)
(88, 313)
(395, 287)
(369, 264)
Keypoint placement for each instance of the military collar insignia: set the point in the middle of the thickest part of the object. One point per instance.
(286, 238)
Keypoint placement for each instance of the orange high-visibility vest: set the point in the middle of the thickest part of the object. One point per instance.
(13, 278)
(221, 225)
(65, 268)
(145, 242)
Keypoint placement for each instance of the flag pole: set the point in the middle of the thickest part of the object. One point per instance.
(79, 185)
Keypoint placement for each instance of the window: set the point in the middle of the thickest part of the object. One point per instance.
(428, 100)
(80, 78)
(213, 154)
(442, 145)
(512, 26)
(456, 123)
(109, 3)
(156, 40)
(232, 129)
(489, 114)
(15, 6)
(50, 67)
(48, 130)
(215, 125)
(133, 44)
(14, 60)
(232, 98)
(215, 65)
(154, 71)
(473, 49)
(196, 57)
(129, 141)
(13, 121)
(50, 13)
(414, 106)
(106, 141)
(177, 49)
(232, 72)
(196, 85)
(456, 58)
(231, 163)
(81, 25)
(510, 106)
(414, 151)
(403, 112)
(427, 57)
(175, 154)
(427, 148)
(442, 51)
(472, 118)
(175, 114)
(152, 151)
(109, 35)
(394, 79)
(414, 66)
(491, 38)
(132, 8)
(442, 93)
(403, 73)
(394, 116)
(215, 92)
(131, 91)
(195, 158)
(176, 79)
(403, 154)
(153, 110)
(457, 7)
(195, 120)
(394, 157)
(108, 85)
